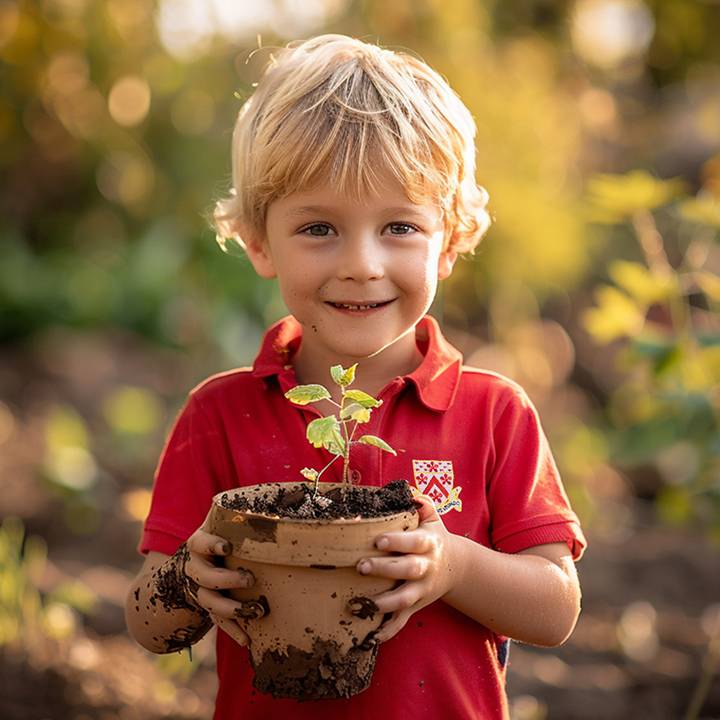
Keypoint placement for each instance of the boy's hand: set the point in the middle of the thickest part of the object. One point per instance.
(206, 579)
(427, 566)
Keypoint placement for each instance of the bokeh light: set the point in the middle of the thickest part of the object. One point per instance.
(129, 101)
(608, 33)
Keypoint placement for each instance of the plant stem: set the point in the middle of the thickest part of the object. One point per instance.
(317, 477)
(346, 451)
(652, 245)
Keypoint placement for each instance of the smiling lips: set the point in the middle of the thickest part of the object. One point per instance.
(358, 306)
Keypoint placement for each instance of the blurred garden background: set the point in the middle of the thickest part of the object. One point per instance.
(597, 288)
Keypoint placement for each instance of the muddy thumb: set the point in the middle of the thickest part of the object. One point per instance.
(426, 509)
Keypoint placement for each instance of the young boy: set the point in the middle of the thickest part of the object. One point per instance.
(353, 175)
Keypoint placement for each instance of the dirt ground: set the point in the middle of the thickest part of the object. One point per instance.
(651, 599)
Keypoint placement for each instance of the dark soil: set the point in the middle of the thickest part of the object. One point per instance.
(325, 673)
(299, 501)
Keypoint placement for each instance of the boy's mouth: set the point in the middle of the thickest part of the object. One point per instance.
(359, 306)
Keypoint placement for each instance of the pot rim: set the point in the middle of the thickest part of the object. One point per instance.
(359, 519)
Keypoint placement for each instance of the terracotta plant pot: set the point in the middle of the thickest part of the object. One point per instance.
(308, 617)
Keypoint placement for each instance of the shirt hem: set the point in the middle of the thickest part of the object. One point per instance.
(567, 531)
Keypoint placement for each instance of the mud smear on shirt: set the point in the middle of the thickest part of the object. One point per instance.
(300, 502)
(324, 673)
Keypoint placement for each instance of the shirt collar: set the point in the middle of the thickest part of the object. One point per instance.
(436, 379)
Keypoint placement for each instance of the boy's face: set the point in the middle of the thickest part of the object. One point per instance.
(357, 275)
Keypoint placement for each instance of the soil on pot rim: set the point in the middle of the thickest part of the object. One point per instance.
(298, 501)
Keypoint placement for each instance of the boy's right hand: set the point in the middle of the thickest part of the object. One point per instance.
(206, 579)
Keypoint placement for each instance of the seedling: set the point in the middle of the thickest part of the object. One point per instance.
(332, 432)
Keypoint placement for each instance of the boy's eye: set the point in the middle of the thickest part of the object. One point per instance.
(400, 228)
(317, 230)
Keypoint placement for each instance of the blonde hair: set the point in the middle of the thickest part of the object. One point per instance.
(336, 109)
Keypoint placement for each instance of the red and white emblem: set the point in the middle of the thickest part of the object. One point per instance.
(436, 479)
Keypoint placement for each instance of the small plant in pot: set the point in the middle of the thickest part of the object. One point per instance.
(309, 615)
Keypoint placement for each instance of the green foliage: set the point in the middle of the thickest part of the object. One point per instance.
(363, 399)
(306, 394)
(376, 442)
(356, 412)
(326, 433)
(341, 376)
(28, 615)
(332, 432)
(663, 319)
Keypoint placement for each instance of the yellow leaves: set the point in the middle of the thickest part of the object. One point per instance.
(703, 210)
(616, 315)
(615, 197)
(700, 369)
(620, 311)
(646, 286)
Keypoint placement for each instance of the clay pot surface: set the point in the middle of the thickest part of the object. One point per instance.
(305, 640)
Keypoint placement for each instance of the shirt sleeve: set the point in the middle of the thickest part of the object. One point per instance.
(188, 474)
(528, 504)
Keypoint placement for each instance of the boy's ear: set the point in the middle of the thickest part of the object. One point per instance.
(446, 262)
(258, 250)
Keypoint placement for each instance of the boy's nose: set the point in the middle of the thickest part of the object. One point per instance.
(360, 260)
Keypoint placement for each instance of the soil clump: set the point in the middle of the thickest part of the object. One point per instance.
(299, 501)
(323, 674)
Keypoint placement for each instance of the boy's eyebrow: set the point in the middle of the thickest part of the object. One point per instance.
(320, 209)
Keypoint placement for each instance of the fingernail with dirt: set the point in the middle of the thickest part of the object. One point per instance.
(250, 610)
(362, 607)
(247, 579)
(222, 548)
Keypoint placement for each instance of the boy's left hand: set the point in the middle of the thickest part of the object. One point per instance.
(426, 565)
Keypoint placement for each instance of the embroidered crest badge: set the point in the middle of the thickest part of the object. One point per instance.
(436, 479)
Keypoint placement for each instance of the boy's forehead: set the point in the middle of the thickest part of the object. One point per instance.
(390, 198)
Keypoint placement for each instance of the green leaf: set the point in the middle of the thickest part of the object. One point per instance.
(326, 433)
(376, 442)
(304, 394)
(640, 443)
(309, 474)
(362, 398)
(343, 376)
(355, 411)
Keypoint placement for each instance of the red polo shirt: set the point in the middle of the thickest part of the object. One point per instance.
(470, 439)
